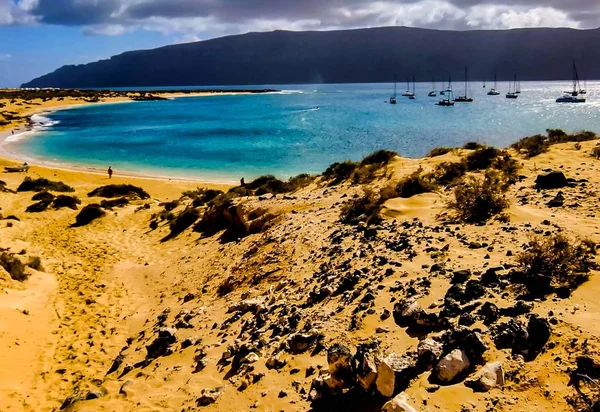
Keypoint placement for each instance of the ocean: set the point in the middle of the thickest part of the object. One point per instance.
(302, 129)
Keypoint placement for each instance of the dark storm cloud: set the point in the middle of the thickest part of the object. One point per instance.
(317, 13)
(74, 12)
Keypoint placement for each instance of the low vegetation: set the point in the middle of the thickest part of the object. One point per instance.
(415, 184)
(448, 172)
(535, 145)
(363, 209)
(43, 196)
(14, 266)
(477, 199)
(112, 203)
(596, 152)
(201, 196)
(88, 214)
(361, 172)
(439, 151)
(482, 158)
(66, 201)
(38, 185)
(185, 219)
(555, 264)
(473, 146)
(112, 191)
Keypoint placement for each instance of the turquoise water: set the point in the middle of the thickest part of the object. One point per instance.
(226, 137)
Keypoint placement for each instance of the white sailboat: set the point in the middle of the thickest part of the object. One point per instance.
(494, 90)
(573, 97)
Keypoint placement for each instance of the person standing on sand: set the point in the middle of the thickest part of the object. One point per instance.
(110, 172)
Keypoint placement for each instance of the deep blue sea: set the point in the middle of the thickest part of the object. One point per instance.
(302, 129)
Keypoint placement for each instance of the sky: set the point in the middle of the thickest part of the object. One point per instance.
(39, 36)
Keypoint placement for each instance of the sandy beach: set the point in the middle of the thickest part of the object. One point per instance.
(123, 314)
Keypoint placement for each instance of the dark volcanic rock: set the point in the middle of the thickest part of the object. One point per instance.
(161, 346)
(551, 180)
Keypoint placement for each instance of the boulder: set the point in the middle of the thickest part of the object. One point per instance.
(551, 180)
(398, 404)
(490, 376)
(339, 359)
(461, 276)
(366, 360)
(161, 346)
(428, 352)
(394, 373)
(408, 313)
(209, 396)
(301, 342)
(452, 366)
(250, 305)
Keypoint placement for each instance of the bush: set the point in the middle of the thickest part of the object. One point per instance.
(111, 191)
(553, 263)
(300, 181)
(38, 207)
(268, 184)
(169, 205)
(448, 172)
(482, 158)
(532, 146)
(439, 151)
(556, 135)
(43, 196)
(365, 209)
(415, 184)
(338, 172)
(508, 166)
(201, 196)
(473, 146)
(37, 185)
(476, 200)
(110, 204)
(88, 214)
(13, 266)
(66, 201)
(35, 263)
(184, 220)
(380, 157)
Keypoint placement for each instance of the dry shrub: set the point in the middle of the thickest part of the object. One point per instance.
(476, 200)
(88, 214)
(13, 266)
(473, 146)
(66, 201)
(37, 185)
(415, 184)
(555, 263)
(111, 191)
(110, 204)
(184, 220)
(448, 172)
(339, 172)
(35, 263)
(482, 158)
(532, 146)
(364, 209)
(364, 172)
(439, 151)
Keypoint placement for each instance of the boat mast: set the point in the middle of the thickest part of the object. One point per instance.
(413, 85)
(466, 77)
(394, 86)
(495, 81)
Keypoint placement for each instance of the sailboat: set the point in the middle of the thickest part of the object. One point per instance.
(465, 98)
(449, 100)
(512, 94)
(413, 96)
(484, 82)
(408, 93)
(518, 86)
(433, 93)
(393, 98)
(443, 89)
(573, 97)
(584, 90)
(493, 91)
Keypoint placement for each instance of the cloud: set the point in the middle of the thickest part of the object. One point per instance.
(192, 19)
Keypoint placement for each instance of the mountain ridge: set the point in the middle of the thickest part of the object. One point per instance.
(342, 56)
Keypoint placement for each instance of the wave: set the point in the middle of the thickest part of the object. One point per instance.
(287, 92)
(39, 123)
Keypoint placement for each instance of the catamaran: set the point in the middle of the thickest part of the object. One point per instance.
(573, 97)
(449, 100)
(393, 98)
(512, 93)
(493, 91)
(465, 98)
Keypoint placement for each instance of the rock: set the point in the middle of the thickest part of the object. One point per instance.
(366, 360)
(124, 388)
(539, 333)
(408, 313)
(452, 366)
(461, 276)
(300, 342)
(96, 393)
(339, 359)
(551, 180)
(209, 396)
(275, 362)
(557, 201)
(398, 404)
(428, 352)
(250, 358)
(70, 400)
(394, 373)
(488, 313)
(490, 376)
(318, 390)
(250, 305)
(161, 345)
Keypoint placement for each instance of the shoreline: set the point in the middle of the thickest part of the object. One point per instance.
(10, 156)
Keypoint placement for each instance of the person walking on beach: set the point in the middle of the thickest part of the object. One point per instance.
(110, 172)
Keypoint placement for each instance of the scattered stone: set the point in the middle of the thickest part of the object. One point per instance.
(490, 376)
(452, 366)
(339, 359)
(209, 396)
(398, 404)
(394, 373)
(161, 346)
